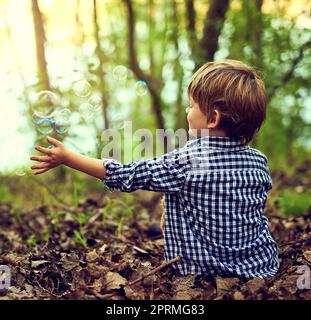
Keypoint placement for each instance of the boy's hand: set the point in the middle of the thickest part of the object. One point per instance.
(52, 157)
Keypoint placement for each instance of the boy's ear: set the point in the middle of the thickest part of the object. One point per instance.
(214, 120)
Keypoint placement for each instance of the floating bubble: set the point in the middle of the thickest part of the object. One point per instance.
(86, 111)
(20, 171)
(62, 120)
(37, 117)
(120, 73)
(62, 126)
(45, 102)
(82, 88)
(62, 115)
(141, 88)
(96, 102)
(45, 126)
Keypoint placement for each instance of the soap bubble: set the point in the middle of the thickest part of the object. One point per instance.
(58, 120)
(20, 171)
(61, 126)
(86, 110)
(45, 102)
(37, 117)
(82, 88)
(141, 88)
(96, 102)
(62, 120)
(120, 73)
(62, 115)
(45, 126)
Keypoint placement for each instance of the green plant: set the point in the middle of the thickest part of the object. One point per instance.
(80, 239)
(292, 203)
(120, 211)
(32, 240)
(46, 234)
(75, 194)
(54, 215)
(82, 219)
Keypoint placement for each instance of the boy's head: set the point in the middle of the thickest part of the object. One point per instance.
(230, 96)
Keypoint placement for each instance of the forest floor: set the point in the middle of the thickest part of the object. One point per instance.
(78, 256)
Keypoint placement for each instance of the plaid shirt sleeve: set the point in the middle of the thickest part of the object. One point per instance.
(163, 174)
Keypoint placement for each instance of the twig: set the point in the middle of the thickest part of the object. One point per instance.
(163, 265)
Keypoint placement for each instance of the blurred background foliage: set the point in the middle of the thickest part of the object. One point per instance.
(51, 44)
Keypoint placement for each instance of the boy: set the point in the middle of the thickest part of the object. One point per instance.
(215, 186)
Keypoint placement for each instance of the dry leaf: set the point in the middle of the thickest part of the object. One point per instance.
(114, 280)
(307, 255)
(224, 285)
(255, 284)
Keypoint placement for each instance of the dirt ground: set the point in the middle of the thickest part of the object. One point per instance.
(49, 260)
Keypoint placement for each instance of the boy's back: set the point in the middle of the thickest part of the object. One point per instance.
(216, 221)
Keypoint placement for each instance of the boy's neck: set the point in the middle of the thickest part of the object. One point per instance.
(216, 133)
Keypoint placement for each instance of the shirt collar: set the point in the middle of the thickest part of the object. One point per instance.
(219, 142)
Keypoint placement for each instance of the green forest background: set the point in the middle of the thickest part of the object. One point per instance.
(162, 43)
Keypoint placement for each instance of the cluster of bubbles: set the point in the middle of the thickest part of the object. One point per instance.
(49, 117)
(121, 73)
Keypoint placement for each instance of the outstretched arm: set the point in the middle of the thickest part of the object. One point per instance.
(59, 155)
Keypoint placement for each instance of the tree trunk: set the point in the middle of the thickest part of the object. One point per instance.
(101, 56)
(40, 46)
(179, 112)
(214, 22)
(191, 30)
(257, 42)
(157, 102)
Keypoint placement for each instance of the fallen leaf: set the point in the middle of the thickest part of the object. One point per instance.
(224, 285)
(183, 292)
(254, 285)
(92, 256)
(38, 263)
(114, 280)
(307, 255)
(238, 295)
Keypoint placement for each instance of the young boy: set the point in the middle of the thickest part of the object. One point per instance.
(215, 186)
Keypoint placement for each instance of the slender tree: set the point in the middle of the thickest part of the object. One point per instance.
(40, 46)
(179, 111)
(215, 18)
(100, 71)
(191, 24)
(157, 102)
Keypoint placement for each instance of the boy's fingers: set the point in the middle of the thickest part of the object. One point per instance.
(40, 159)
(41, 171)
(53, 141)
(40, 166)
(43, 150)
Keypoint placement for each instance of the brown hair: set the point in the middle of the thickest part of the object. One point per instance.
(236, 90)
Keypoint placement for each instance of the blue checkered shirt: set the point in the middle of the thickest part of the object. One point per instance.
(215, 194)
